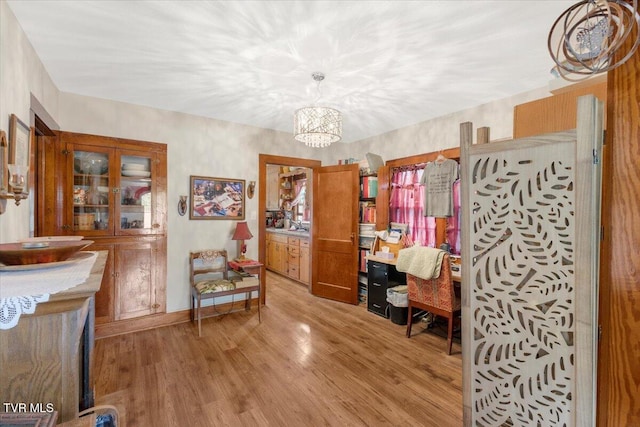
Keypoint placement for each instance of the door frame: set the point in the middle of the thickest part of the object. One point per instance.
(263, 161)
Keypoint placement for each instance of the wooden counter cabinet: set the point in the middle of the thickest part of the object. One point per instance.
(293, 258)
(47, 357)
(276, 252)
(305, 262)
(288, 255)
(114, 192)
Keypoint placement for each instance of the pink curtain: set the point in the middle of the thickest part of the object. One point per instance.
(406, 205)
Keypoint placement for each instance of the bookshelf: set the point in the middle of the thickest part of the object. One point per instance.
(367, 228)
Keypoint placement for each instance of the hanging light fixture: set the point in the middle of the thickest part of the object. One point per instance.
(591, 37)
(317, 126)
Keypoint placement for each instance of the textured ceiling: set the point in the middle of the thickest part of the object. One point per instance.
(388, 64)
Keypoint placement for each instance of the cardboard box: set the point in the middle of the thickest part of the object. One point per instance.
(378, 244)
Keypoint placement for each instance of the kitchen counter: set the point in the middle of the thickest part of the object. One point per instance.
(295, 233)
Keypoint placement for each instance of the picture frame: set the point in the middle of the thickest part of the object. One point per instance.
(19, 143)
(4, 163)
(217, 198)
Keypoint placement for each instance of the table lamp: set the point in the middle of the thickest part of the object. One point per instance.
(241, 234)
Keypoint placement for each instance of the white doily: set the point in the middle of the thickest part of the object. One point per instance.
(12, 308)
(21, 291)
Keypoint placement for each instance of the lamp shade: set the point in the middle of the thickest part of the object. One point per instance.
(242, 232)
(317, 126)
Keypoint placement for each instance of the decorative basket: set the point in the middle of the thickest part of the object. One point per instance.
(83, 221)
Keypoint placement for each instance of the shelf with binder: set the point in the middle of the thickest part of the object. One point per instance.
(367, 228)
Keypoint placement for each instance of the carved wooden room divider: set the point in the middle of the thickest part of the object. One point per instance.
(531, 215)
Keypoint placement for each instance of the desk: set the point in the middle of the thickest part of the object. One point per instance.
(455, 275)
(47, 356)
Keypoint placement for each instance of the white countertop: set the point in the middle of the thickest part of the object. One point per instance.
(294, 233)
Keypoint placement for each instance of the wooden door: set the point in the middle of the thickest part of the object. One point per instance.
(335, 233)
(618, 368)
(141, 192)
(137, 290)
(304, 262)
(89, 202)
(269, 253)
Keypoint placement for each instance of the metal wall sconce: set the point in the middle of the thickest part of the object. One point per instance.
(251, 189)
(182, 205)
(12, 177)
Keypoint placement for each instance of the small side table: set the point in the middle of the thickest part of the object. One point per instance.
(249, 266)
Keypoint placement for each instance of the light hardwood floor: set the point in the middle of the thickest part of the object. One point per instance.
(311, 362)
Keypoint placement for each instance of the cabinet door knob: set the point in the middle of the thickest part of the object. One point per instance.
(156, 225)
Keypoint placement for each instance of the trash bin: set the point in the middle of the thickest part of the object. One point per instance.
(398, 304)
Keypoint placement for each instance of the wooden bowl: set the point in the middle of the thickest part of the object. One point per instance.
(55, 251)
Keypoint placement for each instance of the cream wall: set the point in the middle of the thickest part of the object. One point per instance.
(21, 74)
(201, 146)
(441, 132)
(196, 146)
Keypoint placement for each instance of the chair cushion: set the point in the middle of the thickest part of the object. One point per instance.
(214, 285)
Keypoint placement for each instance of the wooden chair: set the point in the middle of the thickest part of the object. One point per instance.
(437, 296)
(210, 278)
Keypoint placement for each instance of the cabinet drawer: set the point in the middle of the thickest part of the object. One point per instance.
(378, 272)
(294, 272)
(294, 250)
(376, 307)
(293, 241)
(304, 243)
(293, 259)
(377, 291)
(278, 238)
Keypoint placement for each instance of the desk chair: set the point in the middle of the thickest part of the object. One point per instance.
(210, 278)
(437, 296)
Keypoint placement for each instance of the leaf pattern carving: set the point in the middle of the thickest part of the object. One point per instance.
(522, 289)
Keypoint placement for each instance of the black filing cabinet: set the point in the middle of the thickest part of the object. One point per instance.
(380, 277)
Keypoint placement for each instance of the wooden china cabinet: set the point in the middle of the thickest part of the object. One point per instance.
(111, 191)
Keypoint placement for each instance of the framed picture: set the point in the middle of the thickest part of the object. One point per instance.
(19, 141)
(216, 198)
(4, 163)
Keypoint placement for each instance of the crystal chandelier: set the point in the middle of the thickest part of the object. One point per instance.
(317, 126)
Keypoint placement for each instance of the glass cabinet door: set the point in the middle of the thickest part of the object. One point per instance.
(136, 204)
(91, 192)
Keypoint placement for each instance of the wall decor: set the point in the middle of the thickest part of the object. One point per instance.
(216, 198)
(182, 205)
(19, 144)
(4, 162)
(251, 189)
